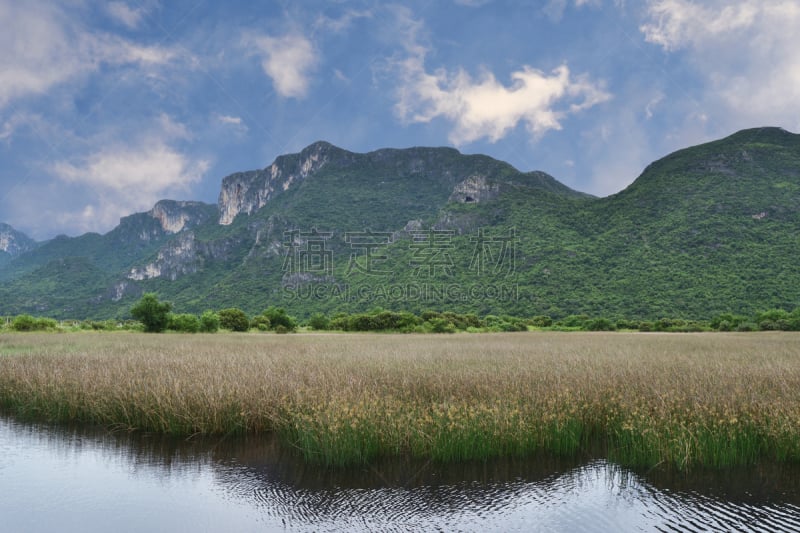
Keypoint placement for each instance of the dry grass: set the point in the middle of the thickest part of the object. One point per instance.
(680, 399)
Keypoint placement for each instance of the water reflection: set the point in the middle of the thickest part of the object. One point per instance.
(70, 479)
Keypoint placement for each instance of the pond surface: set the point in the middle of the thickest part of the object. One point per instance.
(59, 479)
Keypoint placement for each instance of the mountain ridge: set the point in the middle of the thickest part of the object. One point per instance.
(687, 238)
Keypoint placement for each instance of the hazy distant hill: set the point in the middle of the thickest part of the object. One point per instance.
(707, 229)
(13, 243)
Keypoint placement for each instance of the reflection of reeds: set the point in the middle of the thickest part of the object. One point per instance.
(677, 399)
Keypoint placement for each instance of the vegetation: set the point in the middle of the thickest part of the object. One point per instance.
(234, 319)
(29, 323)
(152, 313)
(185, 323)
(681, 400)
(209, 322)
(704, 231)
(276, 319)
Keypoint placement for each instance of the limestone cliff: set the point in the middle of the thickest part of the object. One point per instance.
(247, 192)
(13, 242)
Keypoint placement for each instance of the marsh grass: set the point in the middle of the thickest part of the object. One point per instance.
(680, 400)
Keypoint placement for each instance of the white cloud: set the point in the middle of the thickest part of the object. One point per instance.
(44, 47)
(123, 13)
(125, 177)
(649, 109)
(745, 52)
(146, 169)
(485, 107)
(226, 119)
(679, 23)
(231, 123)
(341, 23)
(287, 60)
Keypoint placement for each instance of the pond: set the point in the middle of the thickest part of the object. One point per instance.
(78, 479)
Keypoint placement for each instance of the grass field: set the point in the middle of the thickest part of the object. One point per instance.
(682, 400)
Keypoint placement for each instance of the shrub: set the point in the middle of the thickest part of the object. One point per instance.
(29, 323)
(186, 323)
(574, 321)
(209, 322)
(154, 315)
(623, 323)
(260, 322)
(601, 324)
(340, 321)
(278, 317)
(319, 321)
(732, 321)
(541, 321)
(440, 325)
(24, 323)
(234, 319)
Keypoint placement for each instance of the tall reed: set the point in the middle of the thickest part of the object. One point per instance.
(682, 400)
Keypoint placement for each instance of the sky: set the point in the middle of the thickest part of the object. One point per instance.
(108, 107)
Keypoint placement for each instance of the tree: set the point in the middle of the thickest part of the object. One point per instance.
(24, 323)
(278, 317)
(260, 322)
(154, 315)
(186, 323)
(209, 322)
(319, 321)
(234, 319)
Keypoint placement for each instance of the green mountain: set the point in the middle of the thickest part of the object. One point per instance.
(705, 230)
(13, 243)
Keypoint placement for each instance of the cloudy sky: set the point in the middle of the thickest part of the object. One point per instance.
(108, 106)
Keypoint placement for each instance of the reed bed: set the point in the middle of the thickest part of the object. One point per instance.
(680, 400)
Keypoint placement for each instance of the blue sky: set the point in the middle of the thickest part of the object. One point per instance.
(107, 107)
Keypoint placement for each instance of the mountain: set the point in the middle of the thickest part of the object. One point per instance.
(705, 230)
(13, 243)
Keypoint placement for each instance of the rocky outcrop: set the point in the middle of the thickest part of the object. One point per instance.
(182, 255)
(247, 192)
(13, 242)
(167, 217)
(475, 189)
(174, 216)
(177, 258)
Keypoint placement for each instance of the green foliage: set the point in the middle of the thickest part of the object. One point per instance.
(277, 316)
(185, 323)
(154, 315)
(574, 321)
(601, 324)
(541, 321)
(30, 323)
(439, 325)
(234, 319)
(209, 322)
(319, 321)
(704, 231)
(260, 322)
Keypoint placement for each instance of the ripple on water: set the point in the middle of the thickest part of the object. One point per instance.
(251, 484)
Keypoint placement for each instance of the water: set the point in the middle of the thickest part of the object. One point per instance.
(57, 479)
